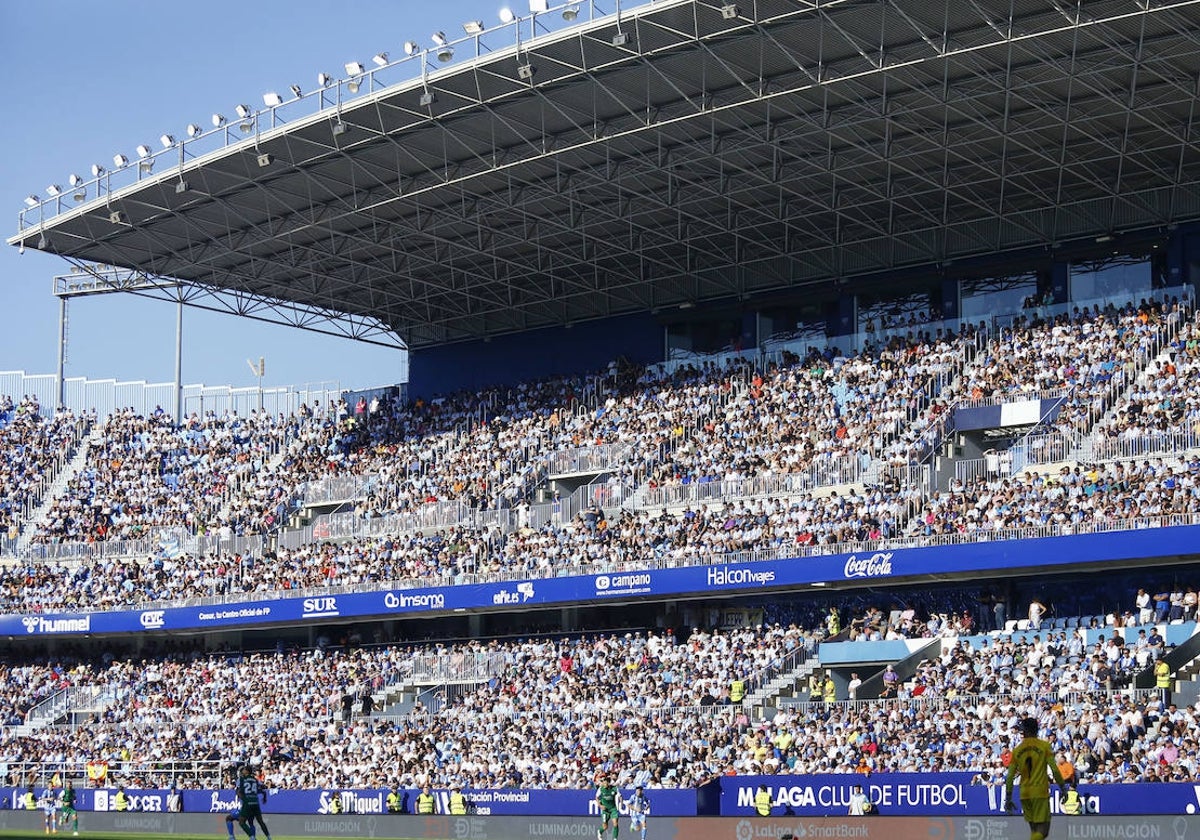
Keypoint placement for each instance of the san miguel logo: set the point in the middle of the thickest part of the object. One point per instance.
(878, 564)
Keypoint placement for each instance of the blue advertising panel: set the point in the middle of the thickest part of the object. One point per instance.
(937, 794)
(489, 802)
(747, 577)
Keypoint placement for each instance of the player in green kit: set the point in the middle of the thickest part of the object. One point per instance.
(250, 795)
(1029, 761)
(66, 804)
(606, 798)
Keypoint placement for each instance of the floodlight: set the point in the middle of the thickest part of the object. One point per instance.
(218, 120)
(32, 201)
(181, 187)
(80, 194)
(380, 59)
(53, 190)
(167, 140)
(120, 160)
(265, 159)
(729, 11)
(539, 6)
(439, 38)
(355, 68)
(74, 180)
(194, 130)
(324, 79)
(445, 53)
(525, 72)
(427, 99)
(570, 13)
(116, 217)
(272, 99)
(243, 111)
(340, 128)
(620, 39)
(507, 15)
(146, 166)
(97, 170)
(143, 151)
(295, 89)
(411, 48)
(354, 84)
(247, 126)
(473, 27)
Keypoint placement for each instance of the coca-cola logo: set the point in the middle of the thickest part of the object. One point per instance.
(878, 564)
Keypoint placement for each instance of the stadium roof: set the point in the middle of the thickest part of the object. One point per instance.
(720, 151)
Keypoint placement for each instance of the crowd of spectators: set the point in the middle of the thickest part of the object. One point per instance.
(648, 708)
(33, 447)
(1087, 355)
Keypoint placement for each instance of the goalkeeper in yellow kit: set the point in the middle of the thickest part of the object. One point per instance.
(1030, 760)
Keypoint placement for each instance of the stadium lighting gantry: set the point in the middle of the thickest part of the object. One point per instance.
(74, 180)
(473, 27)
(272, 99)
(380, 59)
(539, 6)
(167, 140)
(729, 12)
(143, 151)
(445, 52)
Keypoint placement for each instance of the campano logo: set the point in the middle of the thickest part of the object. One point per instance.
(602, 583)
(152, 619)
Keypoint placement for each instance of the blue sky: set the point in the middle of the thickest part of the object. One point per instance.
(89, 79)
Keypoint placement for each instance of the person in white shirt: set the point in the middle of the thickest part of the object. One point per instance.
(858, 802)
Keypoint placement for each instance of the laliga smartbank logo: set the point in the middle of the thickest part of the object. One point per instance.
(878, 564)
(37, 624)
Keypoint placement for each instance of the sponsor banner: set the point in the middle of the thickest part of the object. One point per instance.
(484, 802)
(937, 794)
(893, 564)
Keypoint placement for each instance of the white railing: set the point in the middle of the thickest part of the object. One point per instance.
(587, 459)
(456, 666)
(337, 488)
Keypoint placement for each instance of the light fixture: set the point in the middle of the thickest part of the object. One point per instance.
(247, 126)
(620, 39)
(411, 48)
(296, 91)
(507, 15)
(473, 27)
(525, 71)
(272, 99)
(427, 99)
(354, 68)
(74, 180)
(380, 59)
(97, 170)
(439, 38)
(146, 166)
(43, 242)
(80, 194)
(194, 130)
(120, 160)
(354, 84)
(116, 217)
(168, 140)
(729, 11)
(243, 111)
(218, 120)
(570, 13)
(31, 201)
(181, 187)
(445, 53)
(340, 128)
(324, 79)
(53, 190)
(1104, 237)
(143, 151)
(539, 6)
(265, 160)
